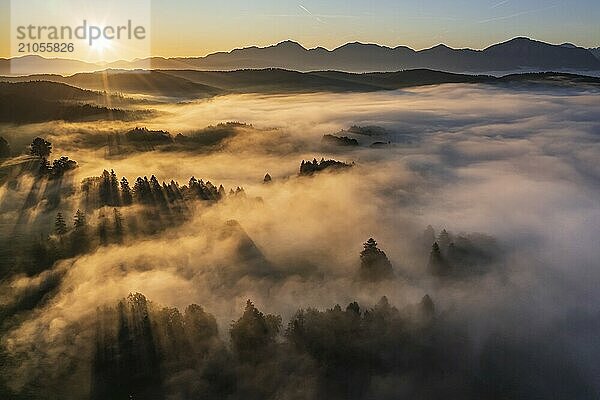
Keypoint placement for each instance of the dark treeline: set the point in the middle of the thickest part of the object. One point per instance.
(372, 130)
(460, 255)
(39, 101)
(108, 210)
(108, 190)
(314, 166)
(146, 351)
(339, 140)
(20, 110)
(145, 135)
(144, 139)
(158, 206)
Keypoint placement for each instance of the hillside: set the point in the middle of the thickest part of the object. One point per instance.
(39, 101)
(190, 84)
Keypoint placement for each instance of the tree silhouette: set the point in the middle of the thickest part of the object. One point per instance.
(200, 329)
(45, 167)
(427, 306)
(254, 333)
(114, 189)
(157, 192)
(104, 189)
(126, 196)
(79, 237)
(118, 227)
(437, 263)
(40, 148)
(60, 226)
(142, 191)
(79, 221)
(309, 168)
(444, 241)
(374, 264)
(62, 165)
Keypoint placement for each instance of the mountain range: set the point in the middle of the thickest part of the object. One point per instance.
(519, 54)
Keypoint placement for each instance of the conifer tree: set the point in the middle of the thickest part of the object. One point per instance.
(79, 221)
(60, 226)
(374, 264)
(437, 263)
(126, 196)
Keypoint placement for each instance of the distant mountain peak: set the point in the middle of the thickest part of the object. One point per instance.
(442, 46)
(361, 45)
(522, 39)
(290, 44)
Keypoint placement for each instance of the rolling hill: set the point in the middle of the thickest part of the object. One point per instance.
(40, 101)
(190, 84)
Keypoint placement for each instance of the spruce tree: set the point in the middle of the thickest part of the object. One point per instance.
(60, 226)
(437, 263)
(79, 221)
(374, 264)
(126, 196)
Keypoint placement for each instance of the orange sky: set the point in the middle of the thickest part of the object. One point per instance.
(195, 28)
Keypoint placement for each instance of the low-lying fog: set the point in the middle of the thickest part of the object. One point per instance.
(523, 167)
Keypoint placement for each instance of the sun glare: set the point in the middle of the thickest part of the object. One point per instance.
(101, 45)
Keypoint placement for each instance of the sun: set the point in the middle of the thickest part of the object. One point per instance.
(101, 45)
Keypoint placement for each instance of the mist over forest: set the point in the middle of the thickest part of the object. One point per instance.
(427, 242)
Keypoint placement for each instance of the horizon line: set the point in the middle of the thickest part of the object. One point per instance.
(101, 62)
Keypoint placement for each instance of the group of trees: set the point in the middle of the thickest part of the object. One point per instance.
(460, 255)
(149, 136)
(314, 166)
(339, 140)
(144, 139)
(78, 237)
(42, 149)
(145, 351)
(108, 190)
(162, 206)
(211, 135)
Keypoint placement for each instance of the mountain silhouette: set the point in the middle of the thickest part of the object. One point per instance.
(517, 54)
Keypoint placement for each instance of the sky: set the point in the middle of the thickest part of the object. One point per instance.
(197, 28)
